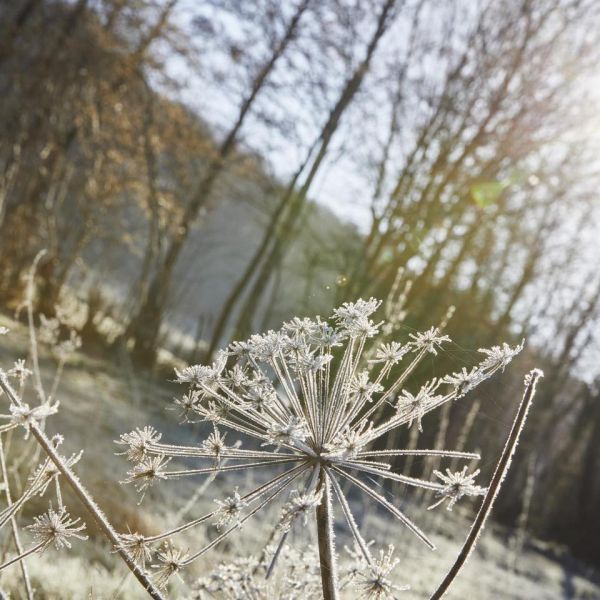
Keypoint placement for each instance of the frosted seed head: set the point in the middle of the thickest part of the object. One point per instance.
(374, 582)
(260, 396)
(56, 527)
(464, 381)
(351, 312)
(414, 407)
(350, 442)
(229, 510)
(236, 378)
(19, 371)
(305, 328)
(305, 361)
(26, 416)
(170, 562)
(137, 546)
(362, 389)
(294, 431)
(362, 328)
(147, 472)
(499, 356)
(391, 353)
(429, 340)
(138, 442)
(457, 485)
(188, 403)
(214, 444)
(299, 506)
(216, 412)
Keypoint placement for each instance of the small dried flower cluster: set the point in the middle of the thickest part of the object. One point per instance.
(56, 527)
(315, 402)
(25, 416)
(373, 582)
(244, 579)
(50, 334)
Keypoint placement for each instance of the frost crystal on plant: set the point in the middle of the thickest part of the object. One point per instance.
(391, 353)
(316, 400)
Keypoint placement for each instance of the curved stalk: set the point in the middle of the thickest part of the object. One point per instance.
(499, 475)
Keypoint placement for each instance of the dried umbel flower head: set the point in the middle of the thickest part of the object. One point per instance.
(170, 562)
(56, 527)
(457, 485)
(230, 509)
(23, 415)
(147, 472)
(20, 371)
(244, 579)
(315, 403)
(373, 582)
(137, 441)
(299, 506)
(138, 547)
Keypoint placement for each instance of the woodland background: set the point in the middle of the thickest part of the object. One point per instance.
(198, 171)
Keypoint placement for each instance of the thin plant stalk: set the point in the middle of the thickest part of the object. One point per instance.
(22, 555)
(499, 475)
(39, 388)
(85, 497)
(13, 523)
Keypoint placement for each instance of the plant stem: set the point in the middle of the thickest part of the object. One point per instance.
(84, 496)
(499, 474)
(13, 523)
(21, 556)
(326, 540)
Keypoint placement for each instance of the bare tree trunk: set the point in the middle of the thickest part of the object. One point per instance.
(146, 323)
(297, 201)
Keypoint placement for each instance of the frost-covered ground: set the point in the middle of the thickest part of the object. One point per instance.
(101, 400)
